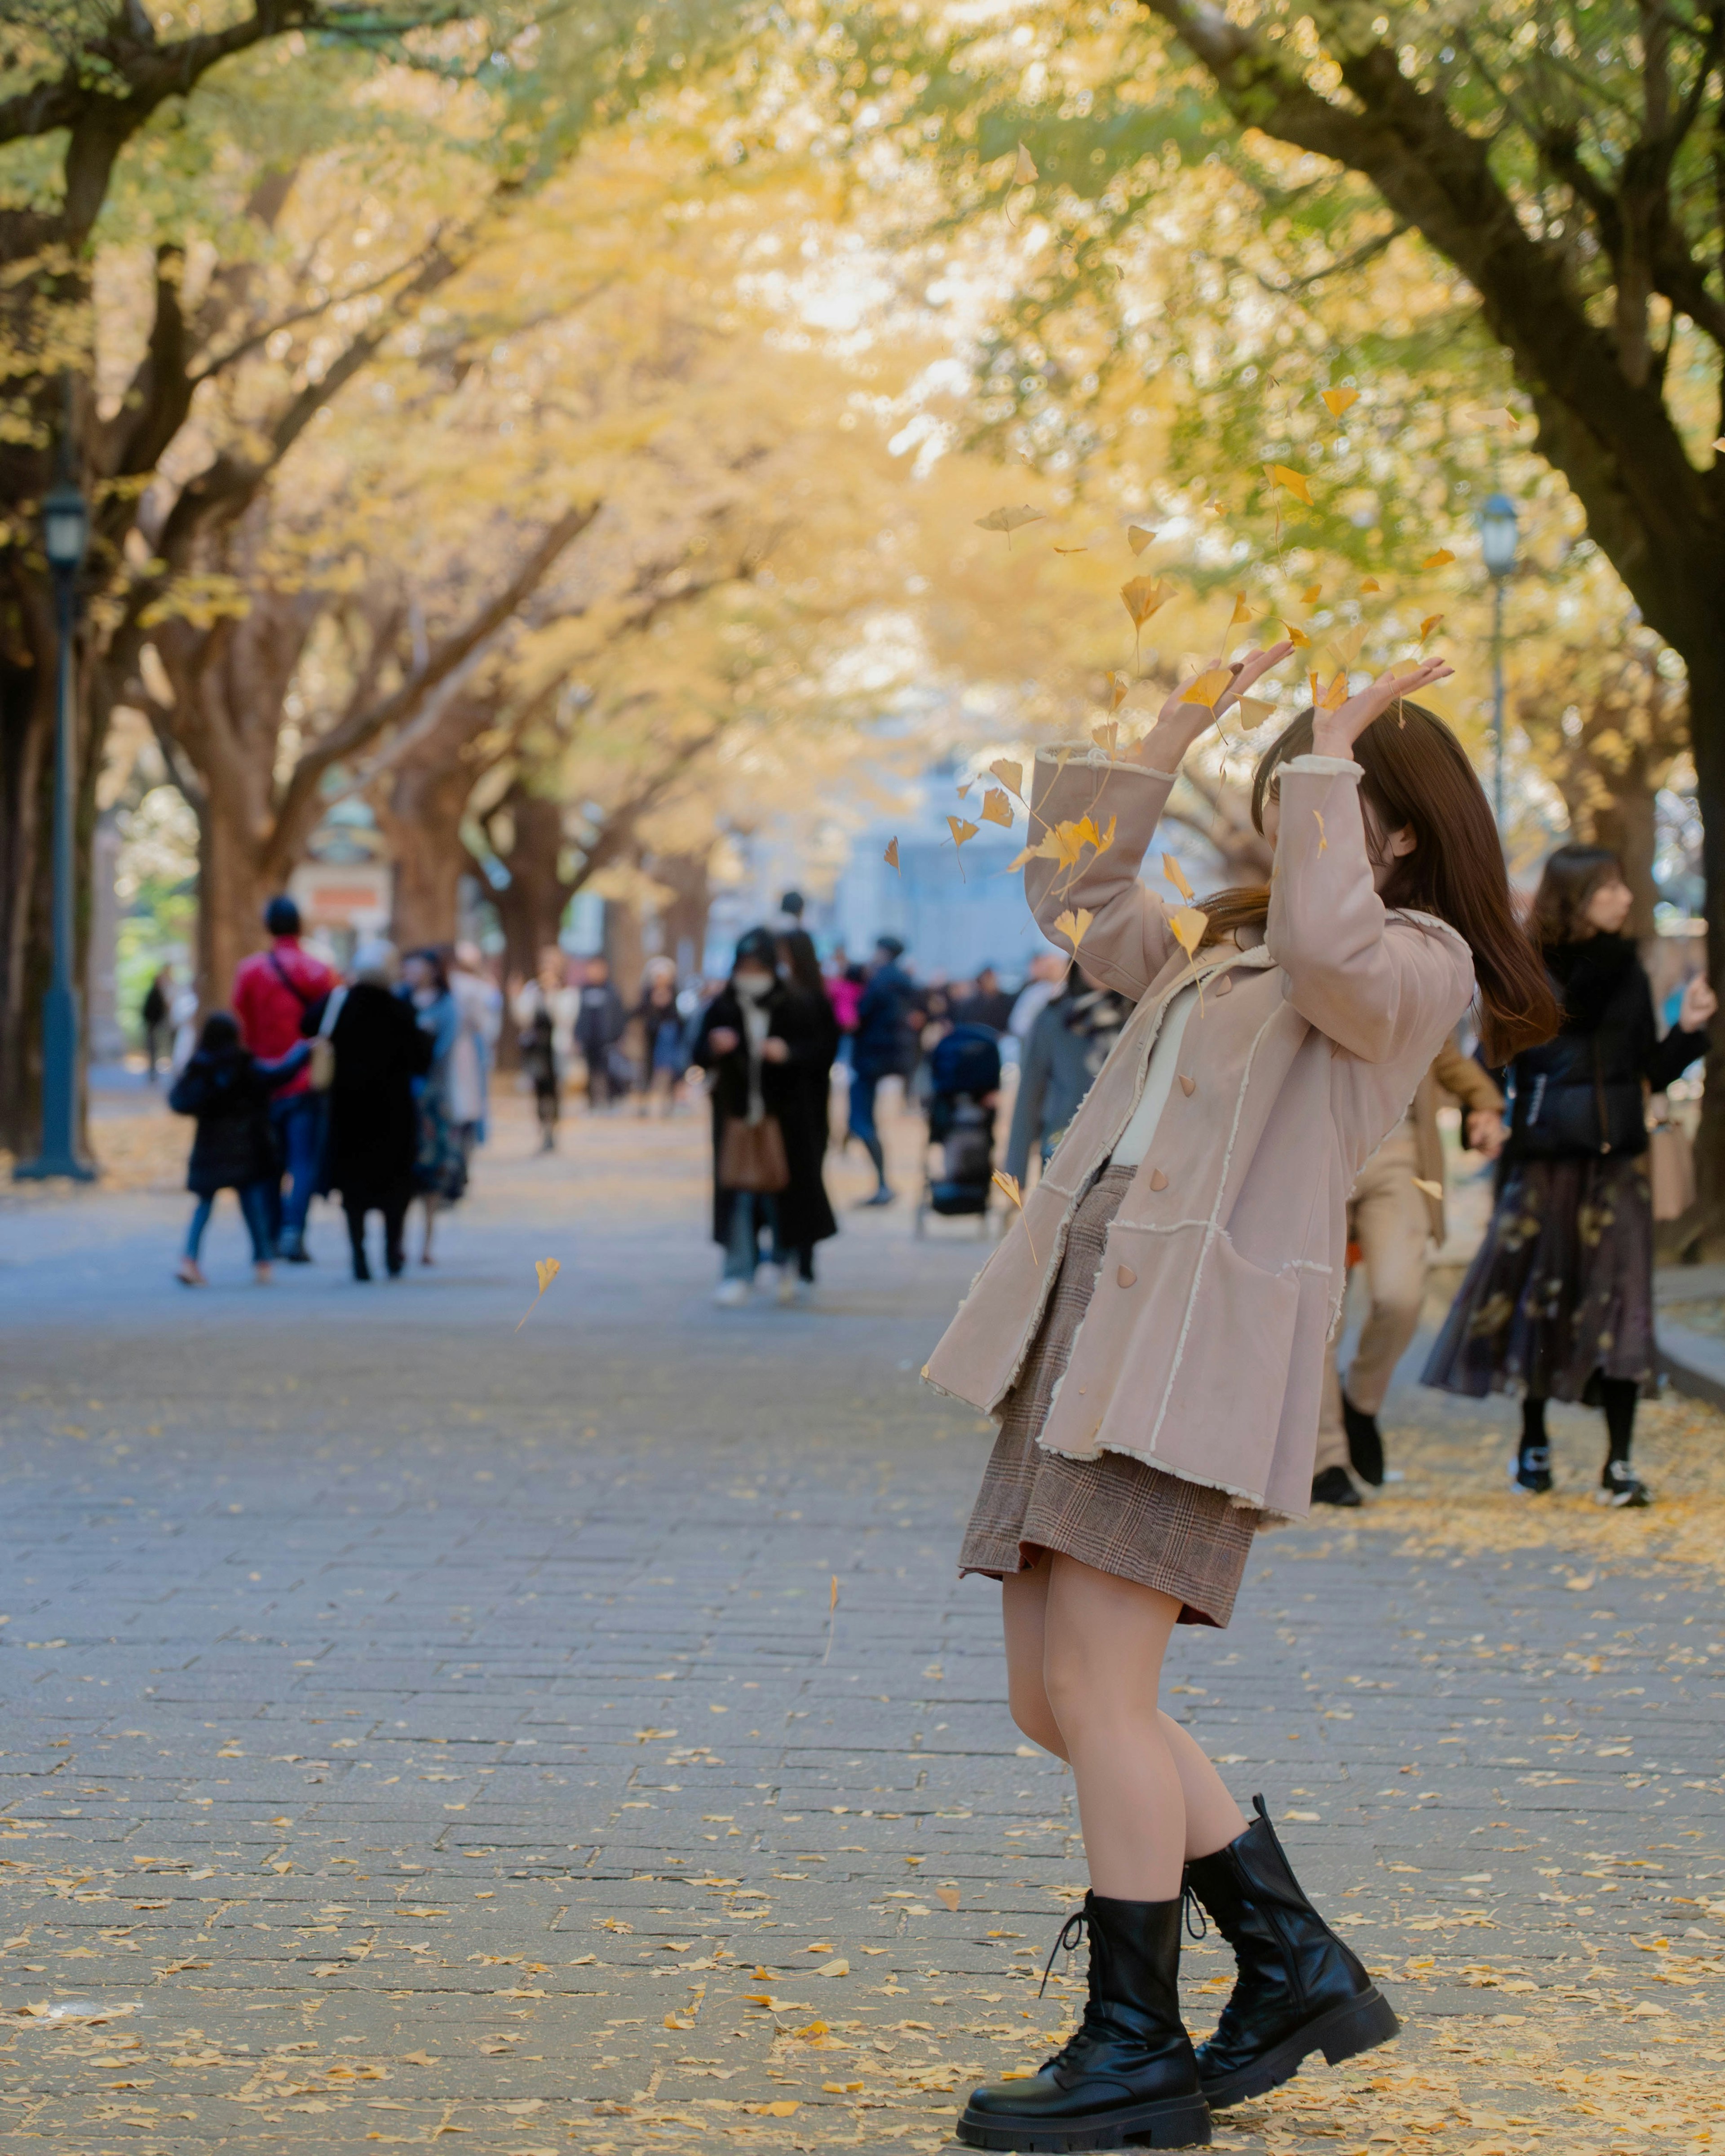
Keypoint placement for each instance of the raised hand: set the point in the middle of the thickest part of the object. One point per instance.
(1334, 733)
(1179, 722)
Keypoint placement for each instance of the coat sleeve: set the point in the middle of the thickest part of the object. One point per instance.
(1027, 1109)
(1129, 942)
(189, 1092)
(1669, 1058)
(1382, 992)
(1466, 1081)
(278, 1071)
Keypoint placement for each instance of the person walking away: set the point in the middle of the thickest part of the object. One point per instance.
(153, 1015)
(1069, 1044)
(379, 1051)
(228, 1090)
(478, 1004)
(987, 1004)
(845, 984)
(183, 1019)
(756, 1040)
(663, 1055)
(1045, 977)
(1149, 1336)
(1559, 1300)
(441, 1169)
(273, 990)
(1394, 1212)
(884, 1045)
(799, 967)
(539, 1060)
(599, 1020)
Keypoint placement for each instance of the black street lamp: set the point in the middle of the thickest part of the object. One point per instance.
(65, 534)
(1499, 532)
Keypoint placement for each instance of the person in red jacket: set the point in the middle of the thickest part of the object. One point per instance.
(273, 990)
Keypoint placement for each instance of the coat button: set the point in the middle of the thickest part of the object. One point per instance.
(1126, 1277)
(1158, 1180)
(1188, 1086)
(1223, 985)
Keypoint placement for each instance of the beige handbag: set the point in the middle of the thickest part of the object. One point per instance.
(321, 1071)
(751, 1156)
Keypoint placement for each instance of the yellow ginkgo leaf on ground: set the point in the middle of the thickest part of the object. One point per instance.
(1009, 521)
(1024, 172)
(996, 808)
(1188, 923)
(1139, 536)
(1296, 482)
(1011, 775)
(1338, 400)
(1143, 595)
(949, 1895)
(963, 833)
(1427, 626)
(1438, 560)
(1074, 924)
(1177, 876)
(1208, 687)
(547, 1270)
(890, 856)
(832, 1618)
(1371, 584)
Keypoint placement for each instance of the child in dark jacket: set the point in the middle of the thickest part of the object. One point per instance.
(228, 1092)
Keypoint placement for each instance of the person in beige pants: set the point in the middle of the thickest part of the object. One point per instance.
(1395, 1214)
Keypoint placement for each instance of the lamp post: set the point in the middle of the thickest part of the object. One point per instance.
(65, 533)
(1499, 532)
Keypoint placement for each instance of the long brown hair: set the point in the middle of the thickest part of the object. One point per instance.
(1572, 876)
(1417, 777)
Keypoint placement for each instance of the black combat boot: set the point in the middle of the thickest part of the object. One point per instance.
(1128, 2073)
(1300, 1989)
(1365, 1442)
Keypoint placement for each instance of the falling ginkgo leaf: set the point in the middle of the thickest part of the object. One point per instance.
(1138, 538)
(1296, 482)
(996, 808)
(1208, 687)
(1347, 648)
(1309, 597)
(547, 1269)
(1438, 560)
(1073, 923)
(1241, 612)
(1323, 843)
(1107, 737)
(1024, 171)
(1253, 711)
(1071, 550)
(1011, 775)
(966, 788)
(1177, 876)
(1119, 688)
(1009, 1184)
(1338, 400)
(1720, 443)
(1431, 1190)
(1009, 521)
(1143, 595)
(1296, 636)
(1188, 923)
(1427, 626)
(890, 856)
(1336, 696)
(963, 833)
(1371, 584)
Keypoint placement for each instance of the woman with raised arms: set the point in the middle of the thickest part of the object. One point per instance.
(1149, 1337)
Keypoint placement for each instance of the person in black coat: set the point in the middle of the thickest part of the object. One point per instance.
(1069, 1044)
(373, 1140)
(889, 1024)
(1559, 1297)
(761, 1040)
(799, 965)
(228, 1092)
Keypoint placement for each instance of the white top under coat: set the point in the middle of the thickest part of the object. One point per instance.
(1134, 1141)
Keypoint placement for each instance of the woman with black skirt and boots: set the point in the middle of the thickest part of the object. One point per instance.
(1149, 1337)
(1559, 1297)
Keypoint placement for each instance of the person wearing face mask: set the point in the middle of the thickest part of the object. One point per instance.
(1559, 1300)
(757, 1040)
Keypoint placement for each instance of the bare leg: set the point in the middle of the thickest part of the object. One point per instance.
(1103, 1642)
(430, 1224)
(1212, 1819)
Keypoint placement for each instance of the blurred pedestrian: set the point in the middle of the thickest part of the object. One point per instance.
(599, 1020)
(1044, 979)
(988, 1004)
(377, 1050)
(478, 1002)
(182, 1017)
(1069, 1044)
(845, 984)
(440, 1168)
(228, 1090)
(539, 1060)
(757, 1039)
(153, 1013)
(273, 990)
(1559, 1300)
(888, 1024)
(664, 1055)
(811, 1067)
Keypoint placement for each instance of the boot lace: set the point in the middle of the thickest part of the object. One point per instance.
(1071, 1931)
(1191, 1907)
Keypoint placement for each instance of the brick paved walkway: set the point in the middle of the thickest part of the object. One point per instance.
(413, 1728)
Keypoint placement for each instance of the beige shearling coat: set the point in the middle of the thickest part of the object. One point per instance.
(1202, 1350)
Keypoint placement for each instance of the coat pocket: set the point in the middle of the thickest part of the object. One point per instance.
(1219, 1413)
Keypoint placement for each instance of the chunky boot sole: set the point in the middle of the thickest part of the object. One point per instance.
(1342, 2033)
(1174, 2122)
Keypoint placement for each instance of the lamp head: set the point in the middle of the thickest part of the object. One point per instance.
(65, 527)
(1499, 532)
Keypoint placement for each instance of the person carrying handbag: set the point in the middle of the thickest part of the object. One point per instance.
(1558, 1301)
(754, 1040)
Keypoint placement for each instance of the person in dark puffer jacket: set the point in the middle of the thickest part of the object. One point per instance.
(1559, 1300)
(228, 1092)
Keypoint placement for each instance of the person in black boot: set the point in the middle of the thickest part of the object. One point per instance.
(1300, 1989)
(1128, 2072)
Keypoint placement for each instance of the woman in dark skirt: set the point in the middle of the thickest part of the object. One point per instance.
(1559, 1300)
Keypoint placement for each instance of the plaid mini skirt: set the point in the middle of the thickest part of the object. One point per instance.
(1115, 1512)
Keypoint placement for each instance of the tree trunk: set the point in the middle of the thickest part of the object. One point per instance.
(682, 923)
(233, 886)
(530, 904)
(421, 821)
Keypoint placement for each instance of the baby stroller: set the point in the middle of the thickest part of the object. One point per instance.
(963, 1074)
